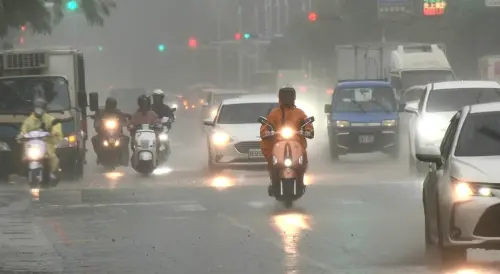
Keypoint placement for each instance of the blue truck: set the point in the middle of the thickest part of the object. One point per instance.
(363, 117)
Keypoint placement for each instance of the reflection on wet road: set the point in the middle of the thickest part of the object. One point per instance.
(360, 215)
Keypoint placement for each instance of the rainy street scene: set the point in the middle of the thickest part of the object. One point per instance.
(243, 137)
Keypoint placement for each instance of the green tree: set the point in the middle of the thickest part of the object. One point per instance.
(16, 13)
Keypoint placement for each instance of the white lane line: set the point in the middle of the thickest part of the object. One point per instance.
(124, 204)
(175, 218)
(189, 207)
(275, 243)
(350, 202)
(257, 204)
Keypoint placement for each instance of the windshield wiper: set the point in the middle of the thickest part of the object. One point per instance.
(360, 106)
(380, 105)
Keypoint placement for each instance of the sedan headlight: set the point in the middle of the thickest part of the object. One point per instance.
(220, 138)
(343, 124)
(463, 190)
(34, 153)
(389, 123)
(4, 147)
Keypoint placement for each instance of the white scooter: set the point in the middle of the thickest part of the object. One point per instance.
(35, 154)
(145, 155)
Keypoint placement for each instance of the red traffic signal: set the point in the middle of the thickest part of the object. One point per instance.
(312, 16)
(193, 43)
(23, 28)
(237, 36)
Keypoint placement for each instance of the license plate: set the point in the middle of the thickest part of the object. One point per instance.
(366, 139)
(255, 153)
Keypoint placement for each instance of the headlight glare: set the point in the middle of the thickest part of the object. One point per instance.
(220, 138)
(288, 162)
(163, 137)
(286, 133)
(463, 190)
(110, 124)
(34, 153)
(343, 124)
(389, 123)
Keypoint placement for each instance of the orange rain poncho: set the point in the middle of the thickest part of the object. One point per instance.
(292, 117)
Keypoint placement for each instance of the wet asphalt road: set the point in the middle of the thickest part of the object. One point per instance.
(361, 215)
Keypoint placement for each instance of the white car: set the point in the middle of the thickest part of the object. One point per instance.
(234, 135)
(438, 104)
(461, 193)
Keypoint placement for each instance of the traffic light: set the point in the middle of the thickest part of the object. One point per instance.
(23, 28)
(312, 16)
(193, 43)
(237, 36)
(161, 47)
(72, 5)
(247, 36)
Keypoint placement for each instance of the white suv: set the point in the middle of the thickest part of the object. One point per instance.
(234, 136)
(439, 102)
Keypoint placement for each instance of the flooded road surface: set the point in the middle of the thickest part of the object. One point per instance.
(360, 215)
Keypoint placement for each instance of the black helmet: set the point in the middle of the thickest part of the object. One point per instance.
(286, 96)
(111, 104)
(143, 102)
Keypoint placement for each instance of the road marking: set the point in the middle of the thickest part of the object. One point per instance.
(257, 204)
(124, 204)
(350, 202)
(191, 207)
(175, 218)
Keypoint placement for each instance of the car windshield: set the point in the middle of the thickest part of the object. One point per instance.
(244, 113)
(446, 100)
(18, 93)
(365, 99)
(480, 135)
(423, 77)
(219, 97)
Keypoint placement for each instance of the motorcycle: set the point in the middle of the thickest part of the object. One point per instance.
(164, 150)
(35, 154)
(111, 136)
(145, 155)
(288, 161)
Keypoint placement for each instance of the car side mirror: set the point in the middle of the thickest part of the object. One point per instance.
(94, 101)
(82, 100)
(174, 109)
(328, 108)
(430, 158)
(209, 123)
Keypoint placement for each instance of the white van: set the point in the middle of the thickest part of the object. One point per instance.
(419, 64)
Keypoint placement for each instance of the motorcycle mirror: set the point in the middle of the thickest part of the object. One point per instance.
(308, 120)
(174, 109)
(262, 120)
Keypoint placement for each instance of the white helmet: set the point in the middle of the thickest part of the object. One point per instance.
(158, 92)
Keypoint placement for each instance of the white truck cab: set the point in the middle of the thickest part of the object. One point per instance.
(419, 64)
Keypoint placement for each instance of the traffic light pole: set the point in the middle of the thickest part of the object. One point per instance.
(240, 49)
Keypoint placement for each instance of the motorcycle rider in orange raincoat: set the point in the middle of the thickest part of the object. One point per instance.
(286, 115)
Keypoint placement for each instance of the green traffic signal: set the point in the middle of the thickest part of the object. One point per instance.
(161, 47)
(100, 48)
(72, 5)
(246, 36)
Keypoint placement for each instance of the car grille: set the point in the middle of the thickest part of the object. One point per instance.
(489, 223)
(244, 147)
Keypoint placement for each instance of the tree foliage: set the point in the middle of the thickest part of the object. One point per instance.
(41, 18)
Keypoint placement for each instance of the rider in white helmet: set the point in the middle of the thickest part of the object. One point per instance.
(161, 109)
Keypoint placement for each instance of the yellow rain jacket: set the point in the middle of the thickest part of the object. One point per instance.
(33, 123)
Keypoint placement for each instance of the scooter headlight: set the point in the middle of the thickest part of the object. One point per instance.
(110, 124)
(287, 133)
(163, 137)
(34, 153)
(288, 162)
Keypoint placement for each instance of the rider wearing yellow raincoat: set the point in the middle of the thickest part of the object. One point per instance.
(40, 120)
